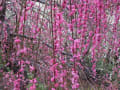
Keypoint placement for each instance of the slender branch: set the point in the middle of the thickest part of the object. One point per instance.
(22, 36)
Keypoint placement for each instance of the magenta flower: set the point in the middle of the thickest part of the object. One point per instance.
(32, 68)
(17, 41)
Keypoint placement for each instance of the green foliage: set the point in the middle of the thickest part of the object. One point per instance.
(40, 86)
(88, 61)
(102, 68)
(30, 76)
(99, 64)
(115, 77)
(28, 86)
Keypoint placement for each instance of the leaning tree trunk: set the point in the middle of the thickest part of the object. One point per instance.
(2, 10)
(2, 18)
(6, 41)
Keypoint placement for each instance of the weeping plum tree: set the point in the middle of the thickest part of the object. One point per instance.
(60, 44)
